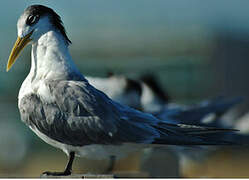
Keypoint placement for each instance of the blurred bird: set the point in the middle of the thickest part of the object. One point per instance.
(241, 136)
(154, 98)
(205, 113)
(119, 88)
(63, 109)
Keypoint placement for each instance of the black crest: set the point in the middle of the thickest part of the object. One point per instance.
(133, 85)
(151, 81)
(40, 10)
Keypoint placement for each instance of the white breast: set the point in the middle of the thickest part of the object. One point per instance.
(25, 89)
(39, 88)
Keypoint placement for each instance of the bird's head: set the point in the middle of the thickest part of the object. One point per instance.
(35, 21)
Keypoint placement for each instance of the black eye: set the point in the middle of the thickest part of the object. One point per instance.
(32, 19)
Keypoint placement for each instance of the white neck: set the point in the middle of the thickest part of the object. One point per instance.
(51, 58)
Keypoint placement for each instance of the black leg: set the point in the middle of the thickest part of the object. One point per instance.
(111, 165)
(70, 163)
(68, 169)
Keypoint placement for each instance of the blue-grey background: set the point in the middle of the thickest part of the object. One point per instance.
(197, 49)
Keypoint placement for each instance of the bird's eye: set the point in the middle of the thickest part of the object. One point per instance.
(32, 19)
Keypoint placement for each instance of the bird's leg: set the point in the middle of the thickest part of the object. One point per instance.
(111, 165)
(68, 169)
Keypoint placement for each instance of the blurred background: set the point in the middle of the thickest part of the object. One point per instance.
(197, 50)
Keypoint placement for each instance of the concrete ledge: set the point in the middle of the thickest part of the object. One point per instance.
(116, 175)
(82, 176)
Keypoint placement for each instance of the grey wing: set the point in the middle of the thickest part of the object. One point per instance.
(79, 115)
(111, 118)
(82, 115)
(51, 121)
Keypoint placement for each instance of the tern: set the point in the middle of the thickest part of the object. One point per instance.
(63, 109)
(120, 88)
(154, 98)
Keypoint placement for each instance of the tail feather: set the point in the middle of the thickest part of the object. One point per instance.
(182, 134)
(193, 129)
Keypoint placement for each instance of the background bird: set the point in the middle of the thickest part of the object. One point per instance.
(120, 88)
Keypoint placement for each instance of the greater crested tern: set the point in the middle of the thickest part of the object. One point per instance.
(154, 98)
(63, 109)
(120, 88)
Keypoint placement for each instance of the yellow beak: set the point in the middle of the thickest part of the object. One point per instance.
(16, 50)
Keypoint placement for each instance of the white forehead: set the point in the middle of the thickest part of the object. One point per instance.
(22, 28)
